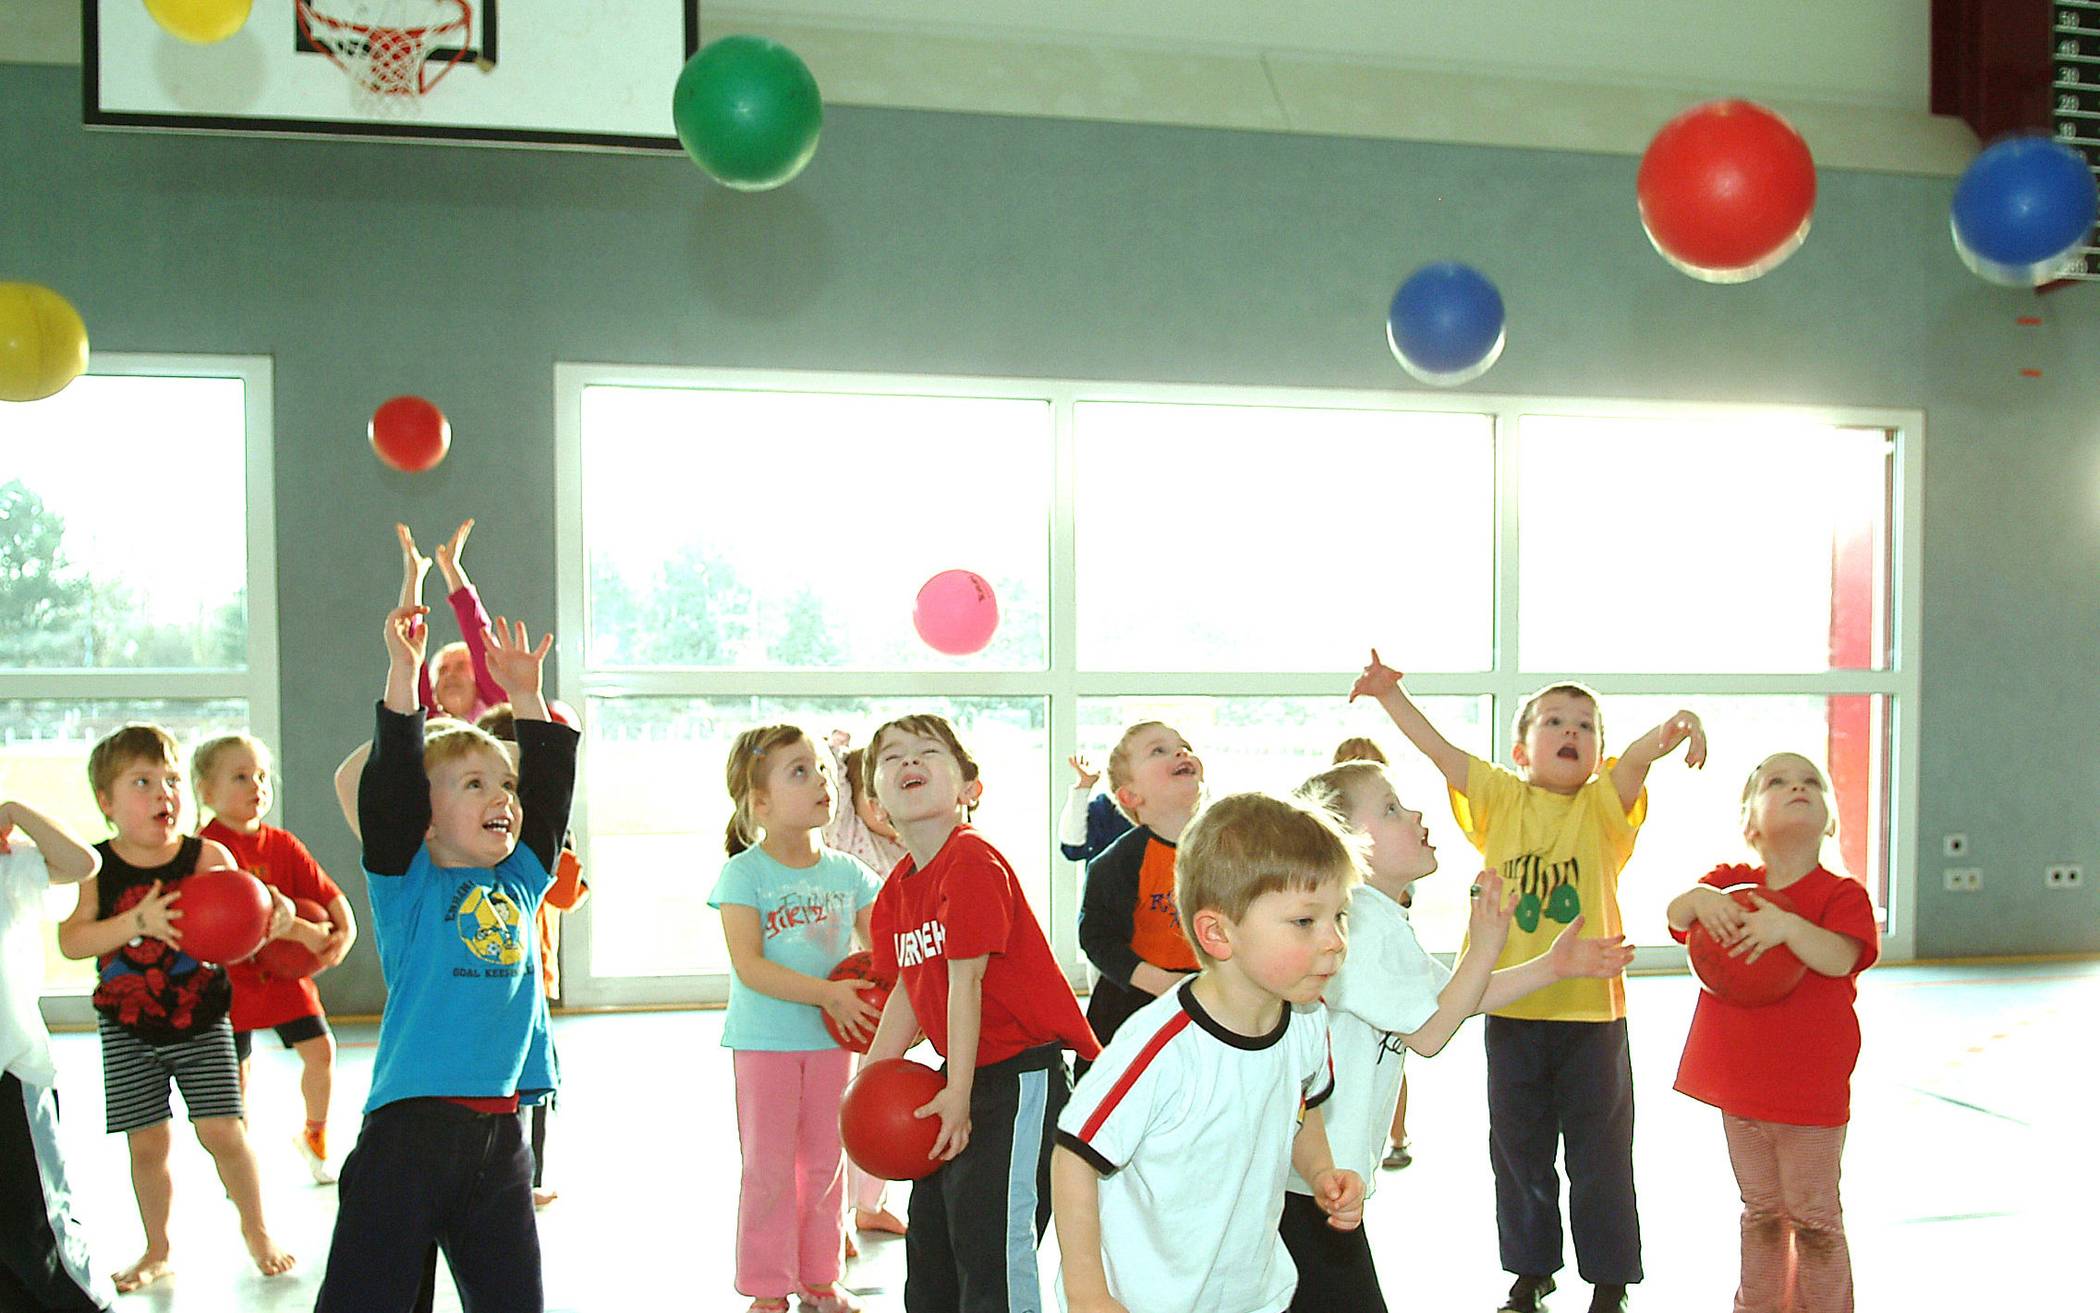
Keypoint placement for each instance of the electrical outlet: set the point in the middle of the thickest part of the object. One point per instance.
(1963, 879)
(1955, 845)
(2064, 875)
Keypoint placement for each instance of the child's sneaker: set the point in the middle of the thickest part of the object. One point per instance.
(1528, 1295)
(1398, 1156)
(315, 1163)
(832, 1300)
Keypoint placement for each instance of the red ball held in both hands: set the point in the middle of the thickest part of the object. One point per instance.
(876, 1123)
(956, 612)
(1726, 191)
(410, 434)
(288, 959)
(859, 966)
(225, 915)
(1737, 979)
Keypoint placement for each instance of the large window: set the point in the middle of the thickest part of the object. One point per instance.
(137, 576)
(746, 548)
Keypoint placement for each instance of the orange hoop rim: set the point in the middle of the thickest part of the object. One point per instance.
(310, 17)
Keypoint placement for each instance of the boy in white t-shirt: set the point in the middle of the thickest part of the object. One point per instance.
(1168, 1180)
(43, 1255)
(1391, 997)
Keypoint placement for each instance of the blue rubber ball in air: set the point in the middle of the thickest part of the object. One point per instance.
(2022, 209)
(1446, 324)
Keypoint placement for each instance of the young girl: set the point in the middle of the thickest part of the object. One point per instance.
(234, 780)
(791, 909)
(161, 1012)
(457, 681)
(1391, 997)
(1781, 1074)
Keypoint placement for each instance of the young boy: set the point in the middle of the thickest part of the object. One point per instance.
(1558, 1063)
(1173, 1153)
(976, 974)
(233, 778)
(459, 847)
(1128, 927)
(161, 1013)
(43, 1254)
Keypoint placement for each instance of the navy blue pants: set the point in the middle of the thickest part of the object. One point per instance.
(424, 1172)
(1335, 1271)
(1551, 1082)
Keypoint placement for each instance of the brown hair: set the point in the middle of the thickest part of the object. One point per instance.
(1340, 787)
(204, 762)
(1530, 710)
(1758, 773)
(1359, 749)
(926, 725)
(500, 721)
(135, 742)
(1249, 844)
(746, 775)
(855, 765)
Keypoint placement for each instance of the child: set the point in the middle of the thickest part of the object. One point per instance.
(43, 1253)
(1558, 1063)
(233, 778)
(1173, 1153)
(458, 849)
(1390, 997)
(976, 973)
(1399, 1151)
(790, 911)
(161, 1012)
(457, 681)
(1089, 822)
(1781, 1074)
(1128, 927)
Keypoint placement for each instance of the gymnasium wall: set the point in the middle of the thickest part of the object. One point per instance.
(934, 243)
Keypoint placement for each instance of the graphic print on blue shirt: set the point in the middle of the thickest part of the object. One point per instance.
(814, 908)
(488, 922)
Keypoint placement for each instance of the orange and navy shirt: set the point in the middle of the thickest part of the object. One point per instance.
(1128, 915)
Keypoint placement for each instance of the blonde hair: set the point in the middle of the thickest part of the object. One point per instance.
(139, 741)
(204, 762)
(1249, 844)
(1119, 768)
(1530, 710)
(1340, 787)
(1359, 749)
(447, 740)
(1757, 773)
(746, 774)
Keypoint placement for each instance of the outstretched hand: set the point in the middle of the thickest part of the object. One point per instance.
(513, 662)
(1084, 769)
(1603, 958)
(449, 552)
(414, 565)
(1494, 906)
(1377, 680)
(406, 635)
(1685, 727)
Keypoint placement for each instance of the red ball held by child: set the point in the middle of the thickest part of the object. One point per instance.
(288, 959)
(225, 915)
(859, 966)
(410, 434)
(1735, 978)
(876, 1123)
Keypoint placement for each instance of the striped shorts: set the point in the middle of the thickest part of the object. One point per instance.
(135, 1077)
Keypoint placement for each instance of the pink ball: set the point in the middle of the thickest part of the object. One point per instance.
(956, 612)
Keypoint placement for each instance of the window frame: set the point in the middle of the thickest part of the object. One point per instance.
(257, 684)
(1063, 683)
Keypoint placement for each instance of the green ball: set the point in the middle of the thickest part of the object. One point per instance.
(748, 112)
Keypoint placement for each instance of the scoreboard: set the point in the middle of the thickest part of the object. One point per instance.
(2075, 95)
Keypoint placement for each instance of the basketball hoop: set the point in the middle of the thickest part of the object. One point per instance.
(385, 45)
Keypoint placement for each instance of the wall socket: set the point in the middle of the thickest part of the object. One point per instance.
(1955, 845)
(1963, 879)
(2064, 875)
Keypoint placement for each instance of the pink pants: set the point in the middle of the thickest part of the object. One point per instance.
(863, 1190)
(790, 1224)
(1794, 1252)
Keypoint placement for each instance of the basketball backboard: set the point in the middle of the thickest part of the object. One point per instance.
(504, 72)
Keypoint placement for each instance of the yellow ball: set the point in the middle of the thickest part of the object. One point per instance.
(43, 344)
(201, 21)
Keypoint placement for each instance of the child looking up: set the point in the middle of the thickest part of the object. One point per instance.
(791, 909)
(1173, 1153)
(975, 972)
(1781, 1074)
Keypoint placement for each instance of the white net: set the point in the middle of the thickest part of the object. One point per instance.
(393, 50)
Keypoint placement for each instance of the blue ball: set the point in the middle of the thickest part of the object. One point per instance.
(2022, 208)
(1446, 325)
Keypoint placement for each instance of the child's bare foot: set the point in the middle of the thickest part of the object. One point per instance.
(878, 1219)
(269, 1259)
(541, 1196)
(141, 1274)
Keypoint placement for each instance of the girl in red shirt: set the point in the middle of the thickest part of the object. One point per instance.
(1781, 1073)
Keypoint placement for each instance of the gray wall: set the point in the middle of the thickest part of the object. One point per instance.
(971, 245)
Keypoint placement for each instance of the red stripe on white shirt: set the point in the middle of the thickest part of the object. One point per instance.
(1159, 1041)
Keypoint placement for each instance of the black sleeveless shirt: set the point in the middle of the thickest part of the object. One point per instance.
(150, 987)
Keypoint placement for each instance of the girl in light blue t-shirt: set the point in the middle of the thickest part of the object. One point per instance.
(791, 909)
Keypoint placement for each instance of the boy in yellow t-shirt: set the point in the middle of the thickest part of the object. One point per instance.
(1558, 1062)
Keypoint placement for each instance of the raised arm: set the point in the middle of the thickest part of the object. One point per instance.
(1630, 775)
(467, 609)
(346, 778)
(1487, 930)
(546, 749)
(1382, 683)
(393, 792)
(66, 859)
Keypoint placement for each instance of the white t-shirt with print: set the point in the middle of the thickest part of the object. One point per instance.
(1387, 987)
(25, 1045)
(1190, 1126)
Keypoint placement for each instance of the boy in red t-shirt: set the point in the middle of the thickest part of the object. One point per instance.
(1781, 1073)
(978, 977)
(233, 778)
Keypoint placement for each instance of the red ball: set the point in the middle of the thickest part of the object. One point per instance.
(859, 966)
(410, 433)
(1726, 190)
(225, 915)
(1748, 984)
(287, 959)
(876, 1123)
